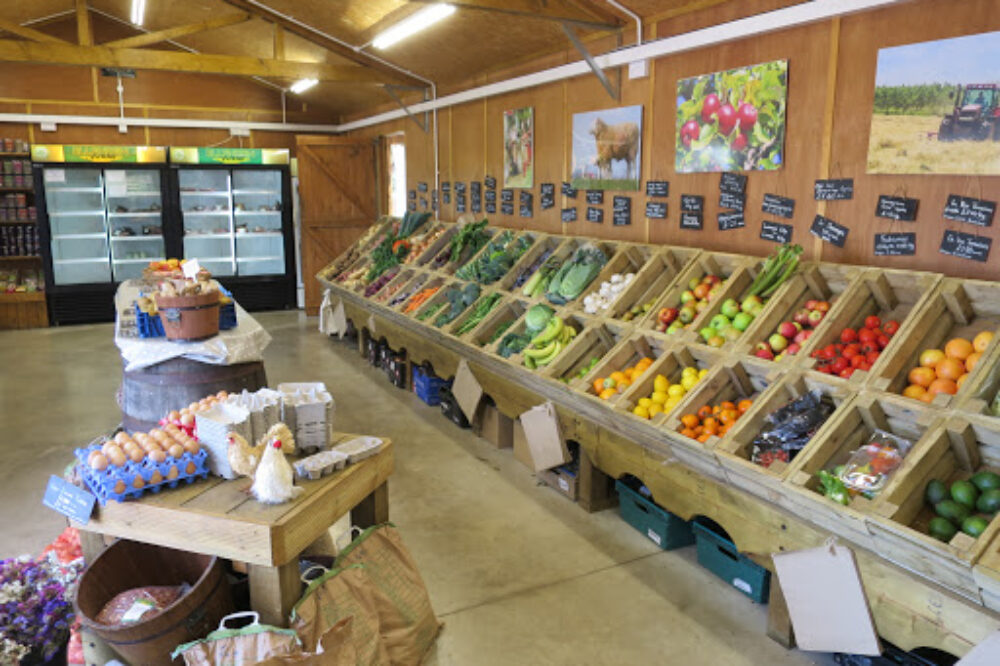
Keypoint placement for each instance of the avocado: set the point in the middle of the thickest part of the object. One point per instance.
(965, 493)
(952, 510)
(986, 481)
(989, 501)
(974, 525)
(936, 492)
(941, 529)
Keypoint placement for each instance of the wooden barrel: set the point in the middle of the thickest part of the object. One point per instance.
(148, 394)
(126, 565)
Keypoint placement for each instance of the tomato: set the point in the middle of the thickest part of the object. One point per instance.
(890, 327)
(839, 364)
(829, 352)
(867, 336)
(847, 372)
(872, 322)
(865, 366)
(883, 341)
(858, 361)
(848, 335)
(871, 357)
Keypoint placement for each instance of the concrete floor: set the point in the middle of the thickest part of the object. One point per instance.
(519, 574)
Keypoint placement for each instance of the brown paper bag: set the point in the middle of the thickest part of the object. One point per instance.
(337, 650)
(236, 647)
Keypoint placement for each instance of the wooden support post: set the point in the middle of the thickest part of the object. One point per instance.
(92, 545)
(274, 590)
(779, 624)
(596, 490)
(372, 510)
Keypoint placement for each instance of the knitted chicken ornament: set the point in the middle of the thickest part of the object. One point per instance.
(272, 482)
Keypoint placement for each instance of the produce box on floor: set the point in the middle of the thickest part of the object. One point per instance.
(661, 527)
(521, 451)
(494, 427)
(563, 479)
(720, 556)
(427, 385)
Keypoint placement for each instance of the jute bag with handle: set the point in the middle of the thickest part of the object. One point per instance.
(338, 594)
(235, 647)
(336, 649)
(407, 623)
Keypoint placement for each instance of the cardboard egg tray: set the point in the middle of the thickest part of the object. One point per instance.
(359, 448)
(264, 407)
(320, 464)
(119, 483)
(214, 425)
(307, 410)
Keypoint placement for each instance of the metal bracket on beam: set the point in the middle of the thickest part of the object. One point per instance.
(391, 90)
(598, 72)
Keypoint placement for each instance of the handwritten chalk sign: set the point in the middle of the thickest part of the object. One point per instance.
(595, 197)
(834, 189)
(656, 210)
(459, 203)
(693, 221)
(491, 207)
(507, 208)
(776, 232)
(568, 191)
(476, 196)
(735, 183)
(411, 206)
(730, 221)
(621, 214)
(900, 209)
(423, 203)
(460, 187)
(829, 231)
(657, 188)
(778, 206)
(965, 246)
(491, 196)
(547, 199)
(74, 503)
(507, 195)
(595, 214)
(490, 182)
(446, 197)
(567, 215)
(527, 204)
(446, 186)
(411, 195)
(969, 210)
(732, 201)
(896, 245)
(476, 204)
(422, 187)
(692, 203)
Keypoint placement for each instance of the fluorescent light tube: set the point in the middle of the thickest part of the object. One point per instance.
(138, 11)
(413, 24)
(303, 85)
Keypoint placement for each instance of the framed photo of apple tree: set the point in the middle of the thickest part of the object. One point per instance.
(732, 120)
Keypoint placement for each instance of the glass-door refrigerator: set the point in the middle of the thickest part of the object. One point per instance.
(102, 219)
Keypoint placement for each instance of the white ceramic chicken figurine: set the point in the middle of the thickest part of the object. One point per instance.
(273, 480)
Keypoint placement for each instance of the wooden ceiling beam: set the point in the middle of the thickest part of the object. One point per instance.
(178, 61)
(316, 37)
(686, 8)
(549, 10)
(28, 33)
(147, 38)
(84, 31)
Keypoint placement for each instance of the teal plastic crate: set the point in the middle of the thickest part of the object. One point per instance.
(720, 556)
(662, 527)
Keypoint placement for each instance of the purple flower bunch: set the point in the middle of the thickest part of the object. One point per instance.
(36, 608)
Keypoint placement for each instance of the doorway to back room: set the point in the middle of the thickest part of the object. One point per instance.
(397, 176)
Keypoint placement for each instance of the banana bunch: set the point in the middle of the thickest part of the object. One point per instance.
(549, 343)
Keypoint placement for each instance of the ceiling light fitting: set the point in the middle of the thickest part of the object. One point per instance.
(412, 25)
(138, 11)
(302, 85)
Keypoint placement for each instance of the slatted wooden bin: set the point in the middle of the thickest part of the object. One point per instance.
(626, 354)
(500, 318)
(670, 364)
(594, 340)
(418, 281)
(403, 276)
(978, 395)
(498, 298)
(571, 319)
(23, 310)
(436, 248)
(522, 269)
(629, 258)
(957, 308)
(986, 573)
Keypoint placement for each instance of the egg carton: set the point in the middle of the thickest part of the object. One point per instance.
(214, 425)
(320, 464)
(359, 448)
(120, 483)
(304, 404)
(313, 438)
(264, 407)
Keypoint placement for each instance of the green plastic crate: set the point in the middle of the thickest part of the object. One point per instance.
(720, 556)
(662, 527)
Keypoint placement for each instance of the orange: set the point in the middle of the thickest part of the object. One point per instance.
(728, 416)
(744, 406)
(618, 376)
(914, 391)
(727, 405)
(982, 341)
(704, 412)
(961, 380)
(959, 348)
(971, 361)
(949, 368)
(645, 362)
(622, 385)
(711, 426)
(931, 357)
(724, 429)
(704, 437)
(921, 376)
(927, 396)
(598, 385)
(688, 432)
(690, 420)
(607, 393)
(943, 386)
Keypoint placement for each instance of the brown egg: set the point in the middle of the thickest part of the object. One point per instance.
(190, 468)
(173, 416)
(192, 446)
(171, 429)
(107, 446)
(193, 407)
(98, 461)
(185, 410)
(222, 395)
(157, 455)
(187, 420)
(122, 437)
(115, 456)
(137, 482)
(156, 477)
(176, 451)
(120, 487)
(172, 473)
(136, 455)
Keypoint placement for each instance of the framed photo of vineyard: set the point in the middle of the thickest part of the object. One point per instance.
(937, 107)
(732, 120)
(519, 147)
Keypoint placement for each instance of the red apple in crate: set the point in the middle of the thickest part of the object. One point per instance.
(788, 330)
(764, 353)
(810, 304)
(815, 317)
(801, 317)
(793, 349)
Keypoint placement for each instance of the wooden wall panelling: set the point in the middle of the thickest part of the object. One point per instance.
(467, 135)
(445, 157)
(420, 156)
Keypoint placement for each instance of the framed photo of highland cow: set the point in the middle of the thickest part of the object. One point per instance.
(519, 148)
(607, 149)
(732, 120)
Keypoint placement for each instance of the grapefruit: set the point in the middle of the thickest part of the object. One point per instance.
(931, 357)
(949, 368)
(922, 376)
(959, 348)
(943, 386)
(982, 341)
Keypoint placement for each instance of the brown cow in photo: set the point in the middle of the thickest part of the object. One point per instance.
(615, 142)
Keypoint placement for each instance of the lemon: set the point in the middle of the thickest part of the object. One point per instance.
(645, 402)
(654, 410)
(641, 412)
(676, 391)
(660, 383)
(672, 402)
(690, 370)
(689, 381)
(702, 373)
(659, 397)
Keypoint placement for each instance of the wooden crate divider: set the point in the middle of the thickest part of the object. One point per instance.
(542, 243)
(629, 258)
(453, 326)
(596, 340)
(570, 318)
(627, 353)
(401, 278)
(509, 310)
(443, 285)
(651, 281)
(417, 280)
(670, 364)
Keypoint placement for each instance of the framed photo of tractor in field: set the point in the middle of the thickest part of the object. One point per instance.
(732, 120)
(519, 147)
(937, 107)
(607, 149)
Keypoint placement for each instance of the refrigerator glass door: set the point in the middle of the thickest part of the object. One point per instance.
(257, 214)
(135, 220)
(74, 199)
(208, 219)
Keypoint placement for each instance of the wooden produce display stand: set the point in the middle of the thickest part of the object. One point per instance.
(923, 593)
(219, 517)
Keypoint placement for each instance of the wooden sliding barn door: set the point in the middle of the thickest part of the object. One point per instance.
(338, 193)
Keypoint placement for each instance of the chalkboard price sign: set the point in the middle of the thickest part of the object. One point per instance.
(548, 196)
(692, 203)
(491, 182)
(459, 202)
(434, 199)
(896, 208)
(656, 210)
(896, 245)
(446, 187)
(411, 195)
(829, 231)
(476, 188)
(969, 210)
(527, 203)
(621, 215)
(833, 190)
(411, 206)
(507, 208)
(567, 215)
(657, 188)
(491, 206)
(568, 190)
(595, 197)
(459, 188)
(491, 196)
(507, 195)
(445, 197)
(476, 196)
(423, 203)
(595, 214)
(477, 204)
(732, 201)
(422, 187)
(733, 183)
(730, 221)
(965, 246)
(692, 221)
(778, 206)
(776, 232)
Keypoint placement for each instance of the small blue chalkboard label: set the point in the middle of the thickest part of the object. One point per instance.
(75, 503)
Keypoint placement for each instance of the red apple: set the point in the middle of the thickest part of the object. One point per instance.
(815, 317)
(765, 354)
(787, 329)
(801, 317)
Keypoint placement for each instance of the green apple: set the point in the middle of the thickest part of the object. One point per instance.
(675, 327)
(749, 302)
(693, 283)
(743, 320)
(720, 322)
(687, 314)
(687, 296)
(707, 332)
(730, 307)
(731, 333)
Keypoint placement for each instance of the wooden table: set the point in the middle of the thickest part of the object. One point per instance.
(219, 517)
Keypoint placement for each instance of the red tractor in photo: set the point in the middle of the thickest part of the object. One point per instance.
(976, 115)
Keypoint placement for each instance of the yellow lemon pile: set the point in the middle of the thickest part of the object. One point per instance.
(666, 396)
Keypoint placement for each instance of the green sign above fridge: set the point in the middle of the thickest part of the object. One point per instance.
(229, 156)
(98, 154)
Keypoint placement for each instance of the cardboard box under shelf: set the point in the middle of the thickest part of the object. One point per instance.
(954, 450)
(627, 259)
(957, 308)
(626, 353)
(651, 281)
(521, 451)
(561, 479)
(594, 341)
(670, 364)
(493, 426)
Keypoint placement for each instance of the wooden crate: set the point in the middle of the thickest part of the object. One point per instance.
(450, 266)
(443, 285)
(651, 281)
(452, 328)
(957, 308)
(627, 353)
(735, 452)
(953, 451)
(514, 236)
(629, 258)
(986, 574)
(23, 310)
(427, 256)
(596, 340)
(889, 294)
(403, 277)
(736, 288)
(430, 228)
(570, 318)
(418, 279)
(509, 311)
(527, 260)
(981, 388)
(670, 364)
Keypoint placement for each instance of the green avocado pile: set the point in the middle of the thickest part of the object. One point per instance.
(957, 507)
